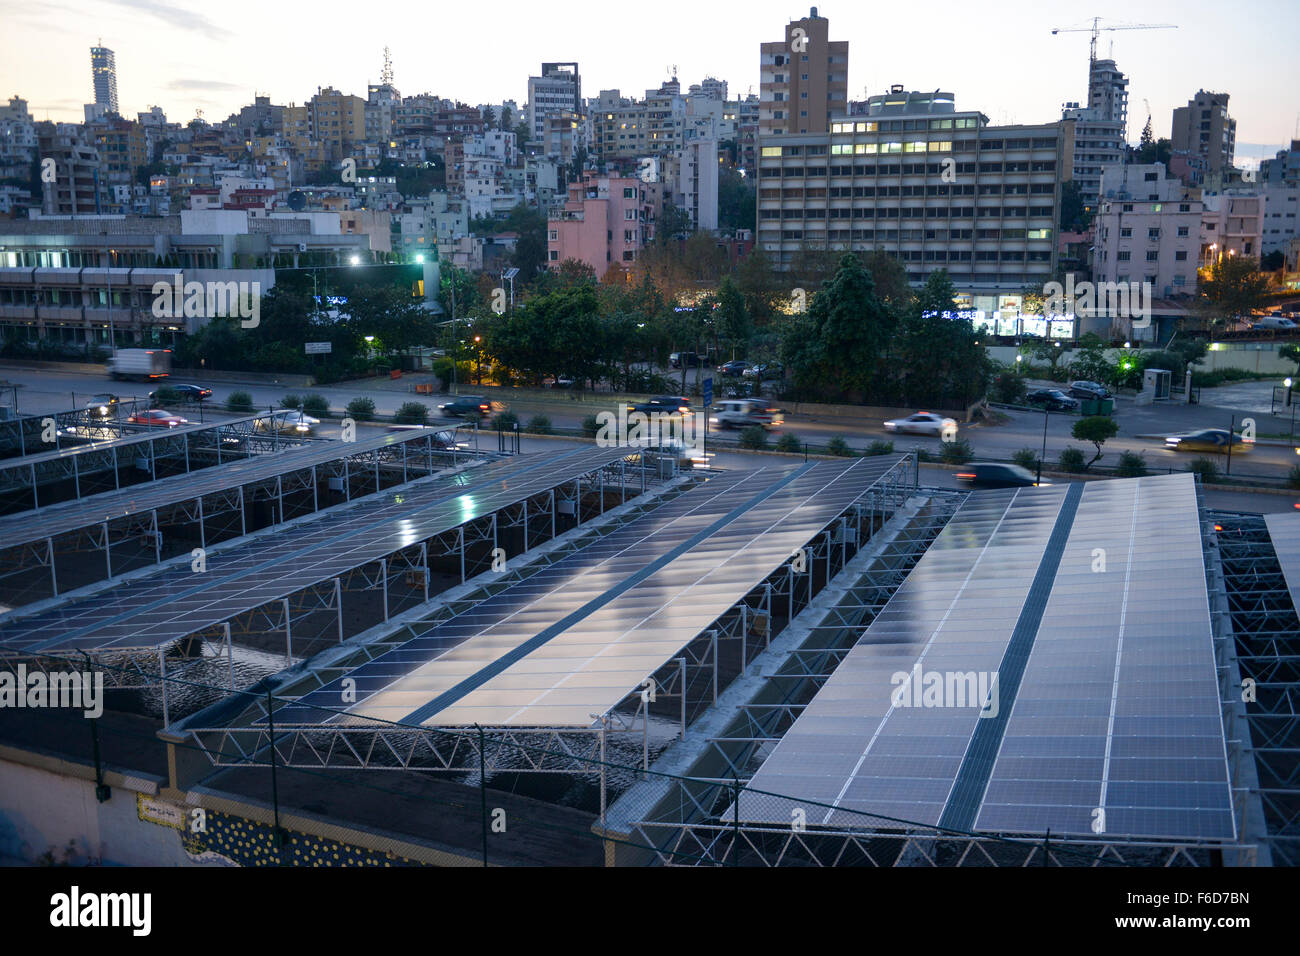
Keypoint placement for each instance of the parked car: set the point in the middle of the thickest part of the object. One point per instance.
(997, 475)
(734, 367)
(103, 405)
(1088, 390)
(287, 421)
(466, 406)
(1053, 399)
(922, 423)
(670, 405)
(189, 393)
(157, 418)
(1212, 440)
(765, 370)
(684, 455)
(742, 412)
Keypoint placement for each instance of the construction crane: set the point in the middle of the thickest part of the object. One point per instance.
(1097, 29)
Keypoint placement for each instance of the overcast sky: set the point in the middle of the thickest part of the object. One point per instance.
(999, 57)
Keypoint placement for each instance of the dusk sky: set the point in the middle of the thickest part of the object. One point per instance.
(997, 57)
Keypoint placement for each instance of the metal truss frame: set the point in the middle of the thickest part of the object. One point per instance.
(1263, 627)
(675, 689)
(212, 517)
(173, 450)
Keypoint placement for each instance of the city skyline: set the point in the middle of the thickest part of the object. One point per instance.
(186, 58)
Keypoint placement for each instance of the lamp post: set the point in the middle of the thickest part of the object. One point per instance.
(478, 359)
(1047, 413)
(1287, 383)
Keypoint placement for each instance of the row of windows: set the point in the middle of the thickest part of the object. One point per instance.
(890, 126)
(938, 235)
(906, 212)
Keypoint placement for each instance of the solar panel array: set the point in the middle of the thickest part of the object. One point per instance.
(1111, 727)
(577, 637)
(176, 602)
(110, 505)
(1284, 533)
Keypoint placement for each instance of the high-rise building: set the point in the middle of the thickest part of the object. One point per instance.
(804, 79)
(933, 186)
(1108, 93)
(1100, 128)
(1283, 169)
(558, 89)
(103, 74)
(1204, 128)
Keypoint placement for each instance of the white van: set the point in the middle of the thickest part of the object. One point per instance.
(1274, 323)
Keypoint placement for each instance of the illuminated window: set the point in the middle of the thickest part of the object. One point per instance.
(865, 148)
(891, 147)
(771, 150)
(867, 127)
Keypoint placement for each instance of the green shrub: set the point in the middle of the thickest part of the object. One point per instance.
(166, 395)
(1072, 461)
(956, 452)
(539, 425)
(361, 409)
(591, 426)
(412, 413)
(240, 402)
(753, 437)
(1008, 389)
(291, 401)
(922, 454)
(1204, 468)
(880, 447)
(838, 447)
(789, 443)
(1131, 465)
(1026, 458)
(1293, 477)
(317, 405)
(505, 422)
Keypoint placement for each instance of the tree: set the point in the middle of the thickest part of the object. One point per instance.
(1232, 287)
(1047, 351)
(936, 360)
(737, 201)
(1273, 262)
(731, 320)
(1075, 215)
(1291, 351)
(1090, 361)
(834, 348)
(890, 278)
(1095, 429)
(1148, 139)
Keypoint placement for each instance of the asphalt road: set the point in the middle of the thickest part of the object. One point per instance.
(46, 391)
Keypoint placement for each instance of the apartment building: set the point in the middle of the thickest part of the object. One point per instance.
(606, 221)
(338, 122)
(1281, 205)
(935, 187)
(559, 88)
(1284, 168)
(1204, 128)
(803, 79)
(103, 77)
(1147, 230)
(1100, 128)
(692, 181)
(1232, 224)
(78, 187)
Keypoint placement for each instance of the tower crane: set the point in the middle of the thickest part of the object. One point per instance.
(1097, 29)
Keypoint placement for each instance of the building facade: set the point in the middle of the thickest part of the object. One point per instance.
(1204, 128)
(103, 77)
(803, 79)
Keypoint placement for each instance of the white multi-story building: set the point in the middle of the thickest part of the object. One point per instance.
(558, 88)
(1281, 222)
(1232, 225)
(692, 179)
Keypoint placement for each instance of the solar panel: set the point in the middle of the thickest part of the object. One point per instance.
(68, 516)
(1104, 722)
(581, 635)
(1284, 532)
(871, 740)
(176, 602)
(1117, 727)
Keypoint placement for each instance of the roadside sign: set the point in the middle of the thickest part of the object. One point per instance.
(318, 348)
(708, 392)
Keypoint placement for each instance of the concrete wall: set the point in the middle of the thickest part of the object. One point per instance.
(1252, 356)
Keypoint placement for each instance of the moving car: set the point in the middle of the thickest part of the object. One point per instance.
(190, 393)
(1088, 390)
(1053, 399)
(157, 418)
(670, 405)
(997, 475)
(734, 367)
(743, 412)
(103, 405)
(922, 423)
(466, 406)
(1212, 440)
(287, 421)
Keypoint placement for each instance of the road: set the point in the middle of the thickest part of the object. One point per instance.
(46, 391)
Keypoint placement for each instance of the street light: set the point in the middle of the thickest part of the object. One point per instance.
(355, 261)
(478, 358)
(1287, 382)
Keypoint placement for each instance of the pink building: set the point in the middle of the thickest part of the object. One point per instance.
(607, 220)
